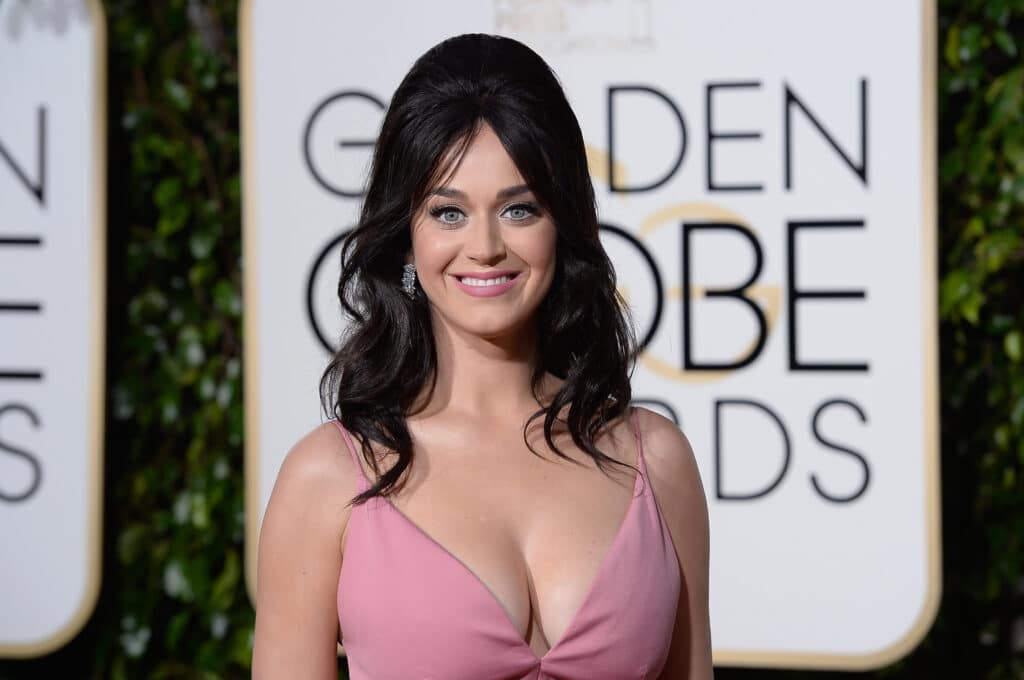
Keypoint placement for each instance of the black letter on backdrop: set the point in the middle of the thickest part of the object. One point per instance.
(793, 294)
(342, 143)
(719, 493)
(712, 136)
(615, 188)
(659, 293)
(37, 470)
(38, 188)
(318, 262)
(860, 170)
(860, 459)
(689, 363)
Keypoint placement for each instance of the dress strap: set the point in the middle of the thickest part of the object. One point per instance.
(636, 430)
(640, 466)
(363, 483)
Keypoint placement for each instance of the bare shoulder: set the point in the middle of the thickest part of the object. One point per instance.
(319, 463)
(668, 454)
(675, 477)
(299, 558)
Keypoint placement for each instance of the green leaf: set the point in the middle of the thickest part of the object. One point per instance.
(1017, 412)
(1006, 43)
(970, 307)
(952, 48)
(176, 627)
(1013, 343)
(173, 218)
(130, 542)
(955, 288)
(167, 192)
(201, 242)
(178, 94)
(224, 586)
(975, 227)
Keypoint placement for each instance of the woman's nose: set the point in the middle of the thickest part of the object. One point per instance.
(485, 242)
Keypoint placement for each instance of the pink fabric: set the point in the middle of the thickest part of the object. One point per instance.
(409, 609)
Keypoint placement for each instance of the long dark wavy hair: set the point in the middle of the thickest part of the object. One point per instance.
(584, 331)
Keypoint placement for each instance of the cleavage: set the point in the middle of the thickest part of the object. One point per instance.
(538, 572)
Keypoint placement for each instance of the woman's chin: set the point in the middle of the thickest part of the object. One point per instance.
(496, 332)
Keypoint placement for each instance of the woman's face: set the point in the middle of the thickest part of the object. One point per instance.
(482, 223)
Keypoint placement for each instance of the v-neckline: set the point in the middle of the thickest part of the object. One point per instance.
(620, 532)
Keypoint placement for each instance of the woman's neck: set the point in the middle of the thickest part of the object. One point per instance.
(485, 377)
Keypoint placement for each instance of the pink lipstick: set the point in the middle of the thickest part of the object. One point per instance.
(486, 289)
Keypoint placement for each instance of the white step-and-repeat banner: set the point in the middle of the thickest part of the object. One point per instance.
(765, 177)
(52, 316)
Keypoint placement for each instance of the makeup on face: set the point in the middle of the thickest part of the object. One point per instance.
(486, 284)
(524, 211)
(483, 244)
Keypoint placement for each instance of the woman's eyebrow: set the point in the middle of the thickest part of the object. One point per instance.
(507, 192)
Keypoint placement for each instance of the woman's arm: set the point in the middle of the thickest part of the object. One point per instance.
(680, 494)
(300, 559)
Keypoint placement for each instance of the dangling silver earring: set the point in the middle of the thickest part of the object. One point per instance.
(409, 280)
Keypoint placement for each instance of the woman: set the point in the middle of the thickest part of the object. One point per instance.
(481, 542)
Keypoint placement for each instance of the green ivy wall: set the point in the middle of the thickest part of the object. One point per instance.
(173, 603)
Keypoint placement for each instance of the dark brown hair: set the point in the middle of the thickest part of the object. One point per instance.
(387, 354)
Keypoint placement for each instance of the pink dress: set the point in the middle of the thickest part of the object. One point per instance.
(409, 610)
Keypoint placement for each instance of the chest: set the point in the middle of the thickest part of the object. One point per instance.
(532, 532)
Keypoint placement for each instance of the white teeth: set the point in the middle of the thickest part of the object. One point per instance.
(486, 282)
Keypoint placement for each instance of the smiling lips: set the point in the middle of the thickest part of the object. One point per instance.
(485, 284)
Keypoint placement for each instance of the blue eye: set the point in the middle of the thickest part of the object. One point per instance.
(442, 214)
(451, 214)
(522, 211)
